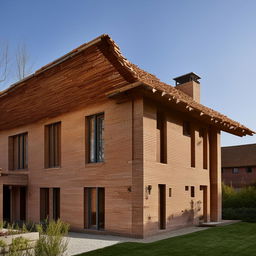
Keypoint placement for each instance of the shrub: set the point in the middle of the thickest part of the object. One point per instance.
(244, 214)
(19, 247)
(244, 198)
(52, 241)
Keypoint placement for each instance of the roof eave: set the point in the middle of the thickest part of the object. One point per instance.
(224, 126)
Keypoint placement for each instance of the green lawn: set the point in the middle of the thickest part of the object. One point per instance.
(234, 240)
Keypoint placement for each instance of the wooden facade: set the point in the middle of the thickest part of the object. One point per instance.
(151, 176)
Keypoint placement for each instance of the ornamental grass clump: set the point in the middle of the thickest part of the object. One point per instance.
(52, 240)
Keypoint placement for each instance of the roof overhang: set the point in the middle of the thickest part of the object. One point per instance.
(174, 102)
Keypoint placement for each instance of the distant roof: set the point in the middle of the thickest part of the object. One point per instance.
(238, 156)
(16, 110)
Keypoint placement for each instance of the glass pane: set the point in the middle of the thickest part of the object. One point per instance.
(92, 208)
(92, 139)
(100, 141)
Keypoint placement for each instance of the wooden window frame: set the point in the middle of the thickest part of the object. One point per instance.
(186, 128)
(100, 220)
(53, 145)
(56, 203)
(161, 125)
(192, 191)
(44, 194)
(18, 151)
(235, 170)
(98, 140)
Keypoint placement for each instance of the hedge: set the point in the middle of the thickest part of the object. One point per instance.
(244, 214)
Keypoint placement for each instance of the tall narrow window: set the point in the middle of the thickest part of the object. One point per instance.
(18, 152)
(52, 145)
(94, 205)
(56, 203)
(192, 191)
(161, 138)
(47, 198)
(96, 138)
(203, 134)
(193, 147)
(44, 204)
(186, 128)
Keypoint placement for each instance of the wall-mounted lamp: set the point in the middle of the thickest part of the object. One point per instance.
(149, 188)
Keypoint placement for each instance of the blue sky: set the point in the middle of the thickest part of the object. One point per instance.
(215, 39)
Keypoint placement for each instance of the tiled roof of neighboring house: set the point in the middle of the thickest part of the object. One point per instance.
(238, 156)
(140, 78)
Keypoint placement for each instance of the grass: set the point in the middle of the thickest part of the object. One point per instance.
(236, 239)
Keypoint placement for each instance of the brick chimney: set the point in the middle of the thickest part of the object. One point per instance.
(189, 84)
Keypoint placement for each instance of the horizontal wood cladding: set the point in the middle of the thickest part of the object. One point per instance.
(75, 83)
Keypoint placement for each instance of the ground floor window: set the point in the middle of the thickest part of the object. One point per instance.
(94, 205)
(49, 203)
(56, 203)
(14, 203)
(44, 204)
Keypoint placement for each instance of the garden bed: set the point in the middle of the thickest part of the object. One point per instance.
(18, 239)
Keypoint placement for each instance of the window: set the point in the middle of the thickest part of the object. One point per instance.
(47, 212)
(94, 208)
(249, 169)
(192, 191)
(52, 145)
(235, 170)
(56, 203)
(186, 188)
(18, 152)
(186, 128)
(204, 135)
(96, 138)
(170, 192)
(161, 138)
(44, 204)
(193, 147)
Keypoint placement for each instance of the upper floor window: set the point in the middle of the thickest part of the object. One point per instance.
(192, 191)
(96, 138)
(161, 138)
(249, 169)
(186, 128)
(52, 145)
(18, 151)
(235, 170)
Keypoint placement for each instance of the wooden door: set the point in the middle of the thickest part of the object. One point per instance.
(162, 206)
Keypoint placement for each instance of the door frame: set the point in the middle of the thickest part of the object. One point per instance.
(204, 188)
(87, 204)
(162, 205)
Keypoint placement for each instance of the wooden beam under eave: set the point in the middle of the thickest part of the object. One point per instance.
(182, 106)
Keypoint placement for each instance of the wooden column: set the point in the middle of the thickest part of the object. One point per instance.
(215, 175)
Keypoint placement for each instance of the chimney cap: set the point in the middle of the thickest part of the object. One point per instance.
(187, 78)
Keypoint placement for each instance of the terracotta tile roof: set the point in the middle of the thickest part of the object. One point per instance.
(238, 156)
(135, 75)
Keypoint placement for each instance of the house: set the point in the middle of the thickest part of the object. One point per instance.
(107, 147)
(239, 165)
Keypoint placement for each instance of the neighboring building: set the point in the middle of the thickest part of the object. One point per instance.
(239, 165)
(94, 140)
